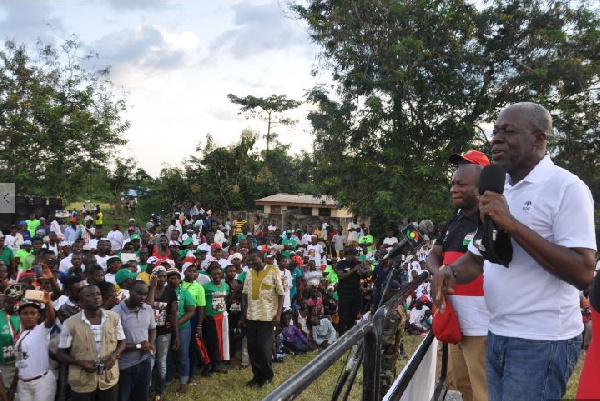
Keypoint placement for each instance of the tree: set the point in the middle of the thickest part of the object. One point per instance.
(417, 81)
(57, 119)
(267, 109)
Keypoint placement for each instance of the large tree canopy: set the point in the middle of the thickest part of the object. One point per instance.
(58, 121)
(417, 80)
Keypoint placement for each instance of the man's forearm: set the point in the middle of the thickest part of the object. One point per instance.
(467, 268)
(573, 265)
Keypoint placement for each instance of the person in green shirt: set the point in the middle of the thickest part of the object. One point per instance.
(32, 224)
(366, 239)
(212, 330)
(7, 255)
(190, 284)
(185, 311)
(24, 257)
(10, 324)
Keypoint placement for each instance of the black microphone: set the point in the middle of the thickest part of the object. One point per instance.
(494, 244)
(492, 179)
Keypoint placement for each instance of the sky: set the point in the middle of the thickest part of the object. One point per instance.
(178, 60)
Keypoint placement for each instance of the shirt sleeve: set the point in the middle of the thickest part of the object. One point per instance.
(201, 297)
(66, 339)
(573, 225)
(152, 324)
(120, 332)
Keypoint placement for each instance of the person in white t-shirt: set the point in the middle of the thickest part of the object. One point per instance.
(389, 240)
(314, 251)
(353, 233)
(535, 325)
(286, 281)
(36, 380)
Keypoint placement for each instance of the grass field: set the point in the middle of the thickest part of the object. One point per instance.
(231, 386)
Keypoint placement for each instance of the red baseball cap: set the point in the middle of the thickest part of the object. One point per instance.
(215, 246)
(472, 156)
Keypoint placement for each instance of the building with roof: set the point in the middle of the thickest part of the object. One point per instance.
(304, 205)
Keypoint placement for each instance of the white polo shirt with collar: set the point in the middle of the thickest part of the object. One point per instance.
(525, 300)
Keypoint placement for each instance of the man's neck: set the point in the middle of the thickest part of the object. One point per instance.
(471, 211)
(92, 313)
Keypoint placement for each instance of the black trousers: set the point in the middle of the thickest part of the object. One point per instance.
(211, 341)
(110, 394)
(260, 348)
(348, 308)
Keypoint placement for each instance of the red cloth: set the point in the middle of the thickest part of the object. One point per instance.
(219, 326)
(589, 384)
(203, 352)
(445, 325)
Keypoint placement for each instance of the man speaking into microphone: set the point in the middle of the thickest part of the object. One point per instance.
(535, 324)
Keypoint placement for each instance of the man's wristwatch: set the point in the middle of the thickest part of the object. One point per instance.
(138, 346)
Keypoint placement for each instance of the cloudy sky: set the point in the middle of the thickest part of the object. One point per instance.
(178, 60)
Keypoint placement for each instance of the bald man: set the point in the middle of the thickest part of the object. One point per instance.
(535, 323)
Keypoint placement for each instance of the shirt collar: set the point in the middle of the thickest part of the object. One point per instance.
(102, 319)
(539, 173)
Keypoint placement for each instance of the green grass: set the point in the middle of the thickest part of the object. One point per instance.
(232, 386)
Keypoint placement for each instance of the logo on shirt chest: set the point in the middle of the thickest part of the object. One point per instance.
(527, 205)
(468, 238)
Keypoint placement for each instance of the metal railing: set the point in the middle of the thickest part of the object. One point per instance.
(370, 333)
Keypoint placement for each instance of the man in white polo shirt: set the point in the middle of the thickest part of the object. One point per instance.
(535, 323)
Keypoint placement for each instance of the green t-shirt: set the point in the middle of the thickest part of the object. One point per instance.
(366, 239)
(242, 277)
(6, 255)
(184, 298)
(196, 290)
(332, 277)
(25, 259)
(8, 331)
(215, 298)
(32, 225)
(290, 242)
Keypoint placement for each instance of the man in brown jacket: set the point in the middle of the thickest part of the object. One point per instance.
(91, 343)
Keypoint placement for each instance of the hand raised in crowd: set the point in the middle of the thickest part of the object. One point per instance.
(442, 284)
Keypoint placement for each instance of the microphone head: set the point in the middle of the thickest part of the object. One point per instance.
(492, 179)
(426, 226)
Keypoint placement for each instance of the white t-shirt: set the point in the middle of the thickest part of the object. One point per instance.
(353, 235)
(525, 300)
(417, 315)
(314, 253)
(390, 241)
(101, 260)
(65, 264)
(116, 239)
(31, 352)
(110, 278)
(286, 281)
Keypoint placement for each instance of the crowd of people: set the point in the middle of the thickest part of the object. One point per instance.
(122, 311)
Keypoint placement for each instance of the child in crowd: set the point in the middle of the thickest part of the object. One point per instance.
(294, 339)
